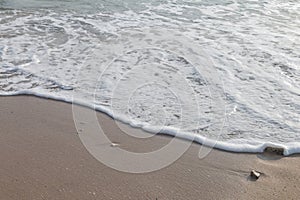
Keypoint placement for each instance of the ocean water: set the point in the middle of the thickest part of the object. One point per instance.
(222, 72)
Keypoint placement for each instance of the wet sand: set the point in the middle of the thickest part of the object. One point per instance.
(42, 157)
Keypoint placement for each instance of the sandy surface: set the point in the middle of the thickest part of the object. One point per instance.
(42, 157)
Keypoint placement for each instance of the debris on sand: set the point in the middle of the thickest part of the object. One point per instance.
(276, 150)
(255, 174)
(114, 144)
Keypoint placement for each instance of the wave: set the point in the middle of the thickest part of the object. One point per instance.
(222, 73)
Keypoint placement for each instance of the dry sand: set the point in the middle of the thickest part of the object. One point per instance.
(42, 157)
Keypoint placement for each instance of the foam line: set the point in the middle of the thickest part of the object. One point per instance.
(239, 146)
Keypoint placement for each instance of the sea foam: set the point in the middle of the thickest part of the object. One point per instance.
(221, 74)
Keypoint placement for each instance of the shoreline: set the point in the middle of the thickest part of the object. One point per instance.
(198, 139)
(42, 157)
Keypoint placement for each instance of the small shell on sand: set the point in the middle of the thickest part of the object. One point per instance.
(255, 174)
(114, 144)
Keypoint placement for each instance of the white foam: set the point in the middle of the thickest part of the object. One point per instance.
(56, 52)
(240, 146)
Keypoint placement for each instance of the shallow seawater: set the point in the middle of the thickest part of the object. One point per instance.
(223, 70)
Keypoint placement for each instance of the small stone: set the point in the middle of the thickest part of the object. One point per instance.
(255, 174)
(276, 150)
